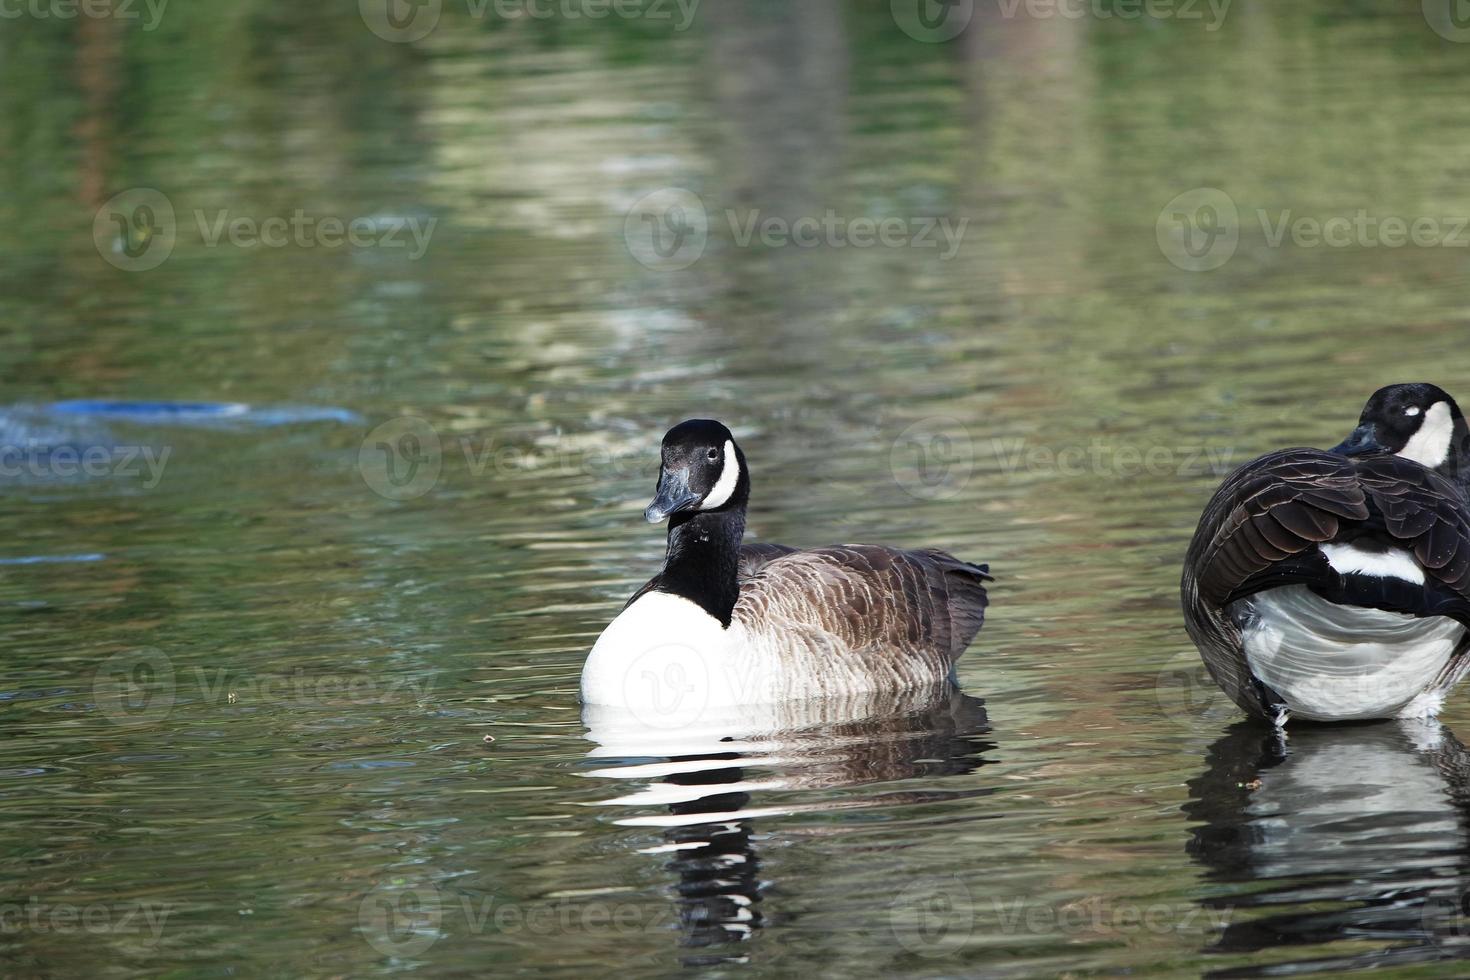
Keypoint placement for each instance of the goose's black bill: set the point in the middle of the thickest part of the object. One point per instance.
(672, 497)
(1363, 442)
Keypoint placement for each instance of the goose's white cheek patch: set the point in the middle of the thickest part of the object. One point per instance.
(1430, 446)
(724, 488)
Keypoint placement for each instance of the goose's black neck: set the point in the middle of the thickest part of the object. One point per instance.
(703, 562)
(1457, 466)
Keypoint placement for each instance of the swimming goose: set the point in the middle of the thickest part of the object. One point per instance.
(725, 625)
(1335, 586)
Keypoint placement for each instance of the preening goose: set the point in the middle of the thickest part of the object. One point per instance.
(1335, 586)
(723, 624)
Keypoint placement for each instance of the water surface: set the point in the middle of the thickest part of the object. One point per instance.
(300, 697)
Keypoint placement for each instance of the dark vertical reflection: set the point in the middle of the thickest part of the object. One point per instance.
(779, 83)
(830, 745)
(719, 891)
(98, 52)
(779, 78)
(1342, 835)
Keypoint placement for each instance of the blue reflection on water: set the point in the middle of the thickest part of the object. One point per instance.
(204, 414)
(53, 559)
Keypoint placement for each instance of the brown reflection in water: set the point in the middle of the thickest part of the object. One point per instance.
(98, 51)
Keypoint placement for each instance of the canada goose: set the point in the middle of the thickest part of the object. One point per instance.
(724, 625)
(1335, 586)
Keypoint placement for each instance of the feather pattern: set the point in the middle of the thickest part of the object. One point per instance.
(1265, 528)
(847, 618)
(856, 617)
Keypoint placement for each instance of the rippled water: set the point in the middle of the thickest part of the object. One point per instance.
(296, 694)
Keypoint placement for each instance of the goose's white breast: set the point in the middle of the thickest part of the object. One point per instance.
(669, 660)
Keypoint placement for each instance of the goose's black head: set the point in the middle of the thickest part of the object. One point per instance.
(703, 471)
(1416, 421)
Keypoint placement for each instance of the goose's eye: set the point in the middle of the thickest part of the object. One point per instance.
(714, 455)
(1413, 410)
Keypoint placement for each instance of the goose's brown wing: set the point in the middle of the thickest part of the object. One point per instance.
(926, 605)
(754, 557)
(1264, 524)
(1425, 511)
(1268, 511)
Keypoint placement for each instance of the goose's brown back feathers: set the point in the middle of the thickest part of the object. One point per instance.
(1291, 501)
(917, 608)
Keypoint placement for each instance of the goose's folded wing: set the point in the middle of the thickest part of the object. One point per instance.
(865, 597)
(754, 557)
(1269, 511)
(1264, 525)
(1426, 512)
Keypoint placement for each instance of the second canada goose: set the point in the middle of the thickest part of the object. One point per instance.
(723, 624)
(1335, 586)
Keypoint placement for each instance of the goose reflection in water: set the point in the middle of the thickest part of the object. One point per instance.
(1359, 835)
(711, 782)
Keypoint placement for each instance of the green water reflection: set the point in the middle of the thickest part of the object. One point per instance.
(257, 711)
